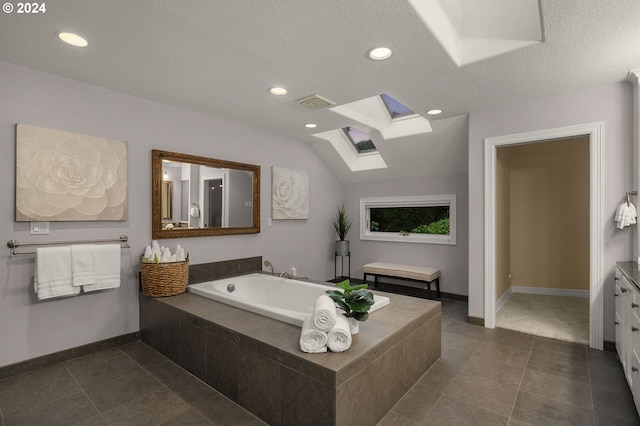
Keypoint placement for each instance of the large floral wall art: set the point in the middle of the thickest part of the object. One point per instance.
(290, 194)
(63, 176)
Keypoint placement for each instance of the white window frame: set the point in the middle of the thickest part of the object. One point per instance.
(408, 201)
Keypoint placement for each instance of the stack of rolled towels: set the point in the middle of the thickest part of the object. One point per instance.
(325, 329)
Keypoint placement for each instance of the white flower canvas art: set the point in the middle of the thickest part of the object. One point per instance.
(64, 176)
(289, 194)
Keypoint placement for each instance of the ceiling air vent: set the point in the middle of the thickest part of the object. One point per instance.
(314, 102)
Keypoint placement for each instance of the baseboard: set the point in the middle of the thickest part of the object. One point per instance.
(475, 320)
(609, 346)
(67, 354)
(503, 299)
(550, 291)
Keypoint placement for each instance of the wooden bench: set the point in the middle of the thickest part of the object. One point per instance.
(423, 274)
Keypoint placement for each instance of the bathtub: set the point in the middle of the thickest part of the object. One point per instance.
(284, 299)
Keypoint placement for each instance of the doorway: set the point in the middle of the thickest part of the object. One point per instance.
(213, 203)
(542, 238)
(594, 133)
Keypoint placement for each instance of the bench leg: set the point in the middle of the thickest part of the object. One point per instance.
(438, 287)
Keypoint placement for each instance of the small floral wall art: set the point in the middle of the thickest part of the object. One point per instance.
(290, 194)
(63, 176)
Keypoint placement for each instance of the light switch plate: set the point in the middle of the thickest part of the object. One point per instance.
(39, 228)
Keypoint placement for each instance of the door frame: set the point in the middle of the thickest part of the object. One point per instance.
(595, 132)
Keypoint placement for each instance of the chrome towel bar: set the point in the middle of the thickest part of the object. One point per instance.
(14, 244)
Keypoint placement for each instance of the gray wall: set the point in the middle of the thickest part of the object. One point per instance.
(241, 190)
(611, 104)
(450, 259)
(29, 328)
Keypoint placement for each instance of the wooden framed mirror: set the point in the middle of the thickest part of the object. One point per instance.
(194, 196)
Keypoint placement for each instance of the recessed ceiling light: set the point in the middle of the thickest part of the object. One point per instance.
(311, 125)
(73, 39)
(380, 53)
(434, 111)
(278, 91)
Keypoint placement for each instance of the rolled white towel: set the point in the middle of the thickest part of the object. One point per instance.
(312, 340)
(324, 313)
(339, 338)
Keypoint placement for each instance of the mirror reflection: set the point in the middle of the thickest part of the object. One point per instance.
(198, 196)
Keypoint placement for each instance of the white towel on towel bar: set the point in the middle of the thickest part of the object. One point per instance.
(107, 257)
(625, 215)
(53, 273)
(83, 264)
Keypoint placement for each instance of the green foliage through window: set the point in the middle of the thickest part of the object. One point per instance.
(420, 220)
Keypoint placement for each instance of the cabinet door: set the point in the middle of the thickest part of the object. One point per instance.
(633, 344)
(619, 316)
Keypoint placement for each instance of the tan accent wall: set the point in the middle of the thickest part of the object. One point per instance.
(549, 214)
(503, 222)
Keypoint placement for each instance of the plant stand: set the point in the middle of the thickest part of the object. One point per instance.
(342, 267)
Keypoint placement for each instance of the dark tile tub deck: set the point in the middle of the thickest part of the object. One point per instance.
(257, 362)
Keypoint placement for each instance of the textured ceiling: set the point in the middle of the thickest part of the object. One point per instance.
(219, 58)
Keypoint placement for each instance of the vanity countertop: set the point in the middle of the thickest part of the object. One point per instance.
(631, 271)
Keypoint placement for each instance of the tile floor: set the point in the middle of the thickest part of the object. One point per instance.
(559, 317)
(485, 377)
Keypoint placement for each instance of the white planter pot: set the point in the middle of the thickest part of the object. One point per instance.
(354, 325)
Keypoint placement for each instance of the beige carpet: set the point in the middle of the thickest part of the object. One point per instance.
(559, 317)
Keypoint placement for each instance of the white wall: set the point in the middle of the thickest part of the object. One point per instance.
(450, 259)
(611, 104)
(29, 328)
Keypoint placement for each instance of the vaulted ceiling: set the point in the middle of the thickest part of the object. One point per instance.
(219, 58)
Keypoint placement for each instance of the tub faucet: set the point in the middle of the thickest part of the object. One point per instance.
(285, 274)
(269, 265)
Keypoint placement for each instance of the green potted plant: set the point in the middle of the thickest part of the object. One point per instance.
(342, 224)
(354, 300)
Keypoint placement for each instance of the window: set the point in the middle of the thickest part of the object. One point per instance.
(360, 140)
(395, 108)
(415, 219)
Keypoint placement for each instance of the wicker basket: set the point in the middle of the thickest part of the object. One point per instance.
(164, 279)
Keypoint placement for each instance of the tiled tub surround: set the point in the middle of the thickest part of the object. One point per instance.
(256, 361)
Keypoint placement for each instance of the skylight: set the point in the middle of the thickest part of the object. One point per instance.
(360, 140)
(396, 109)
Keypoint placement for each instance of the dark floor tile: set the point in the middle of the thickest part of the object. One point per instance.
(509, 354)
(97, 373)
(78, 363)
(494, 394)
(188, 418)
(451, 412)
(510, 338)
(420, 399)
(614, 404)
(122, 389)
(96, 420)
(35, 388)
(437, 379)
(574, 352)
(155, 408)
(560, 366)
(222, 411)
(605, 369)
(558, 388)
(168, 372)
(494, 369)
(143, 354)
(537, 410)
(192, 389)
(64, 411)
(395, 419)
